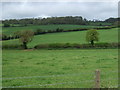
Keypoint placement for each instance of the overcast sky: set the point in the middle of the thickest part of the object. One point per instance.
(88, 10)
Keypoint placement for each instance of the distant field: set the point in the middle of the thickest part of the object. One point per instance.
(11, 30)
(1, 24)
(69, 37)
(76, 66)
(99, 23)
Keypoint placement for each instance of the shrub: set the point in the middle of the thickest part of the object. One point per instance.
(56, 45)
(75, 45)
(41, 46)
(59, 30)
(50, 31)
(12, 46)
(6, 25)
(4, 37)
(38, 31)
(104, 45)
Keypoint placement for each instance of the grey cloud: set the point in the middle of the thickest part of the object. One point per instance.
(89, 10)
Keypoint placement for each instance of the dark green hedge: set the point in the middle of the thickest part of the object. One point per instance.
(75, 45)
(65, 46)
(12, 46)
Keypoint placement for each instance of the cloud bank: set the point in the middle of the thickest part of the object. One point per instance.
(89, 10)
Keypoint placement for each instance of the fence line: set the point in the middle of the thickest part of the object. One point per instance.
(62, 75)
(109, 72)
(57, 84)
(47, 84)
(97, 80)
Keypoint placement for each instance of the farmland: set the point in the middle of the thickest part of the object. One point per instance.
(65, 68)
(110, 35)
(11, 30)
(76, 66)
(59, 44)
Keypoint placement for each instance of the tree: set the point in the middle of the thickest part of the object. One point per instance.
(25, 37)
(38, 31)
(117, 24)
(16, 34)
(6, 25)
(4, 37)
(91, 36)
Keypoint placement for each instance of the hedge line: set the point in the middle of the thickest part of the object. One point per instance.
(12, 46)
(40, 31)
(75, 45)
(65, 46)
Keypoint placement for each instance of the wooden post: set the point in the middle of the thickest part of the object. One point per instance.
(97, 79)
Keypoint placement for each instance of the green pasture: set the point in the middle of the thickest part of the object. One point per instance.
(1, 25)
(71, 68)
(108, 36)
(11, 30)
(101, 23)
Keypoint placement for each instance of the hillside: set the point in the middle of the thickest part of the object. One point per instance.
(11, 30)
(110, 35)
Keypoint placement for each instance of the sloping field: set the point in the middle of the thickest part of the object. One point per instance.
(11, 30)
(110, 35)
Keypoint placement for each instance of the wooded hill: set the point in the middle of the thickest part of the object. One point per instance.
(76, 20)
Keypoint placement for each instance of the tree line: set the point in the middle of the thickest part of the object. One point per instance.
(75, 20)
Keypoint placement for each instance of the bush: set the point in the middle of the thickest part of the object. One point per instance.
(104, 45)
(6, 25)
(52, 46)
(56, 45)
(50, 31)
(41, 46)
(75, 45)
(12, 46)
(39, 31)
(59, 30)
(4, 37)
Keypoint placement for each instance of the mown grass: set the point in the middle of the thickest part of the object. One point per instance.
(11, 30)
(76, 65)
(109, 36)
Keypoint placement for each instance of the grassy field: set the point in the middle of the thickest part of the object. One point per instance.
(72, 68)
(11, 30)
(1, 25)
(69, 37)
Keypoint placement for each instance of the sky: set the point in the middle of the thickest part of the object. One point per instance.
(88, 10)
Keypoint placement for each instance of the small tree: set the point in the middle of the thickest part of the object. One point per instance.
(117, 24)
(16, 34)
(25, 37)
(6, 25)
(91, 36)
(4, 37)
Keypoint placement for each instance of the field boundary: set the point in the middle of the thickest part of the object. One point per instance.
(58, 84)
(97, 80)
(61, 30)
(27, 77)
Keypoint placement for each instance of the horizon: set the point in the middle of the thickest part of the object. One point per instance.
(54, 16)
